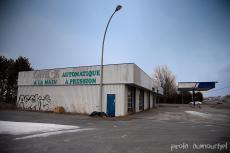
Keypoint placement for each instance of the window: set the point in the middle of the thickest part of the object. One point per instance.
(141, 100)
(131, 99)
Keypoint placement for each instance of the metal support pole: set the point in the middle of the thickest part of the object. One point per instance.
(102, 53)
(193, 97)
(157, 98)
(182, 97)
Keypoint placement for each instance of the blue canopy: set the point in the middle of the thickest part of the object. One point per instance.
(197, 86)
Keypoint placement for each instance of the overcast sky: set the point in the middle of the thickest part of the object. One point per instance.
(191, 37)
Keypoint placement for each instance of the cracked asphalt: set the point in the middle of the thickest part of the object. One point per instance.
(153, 131)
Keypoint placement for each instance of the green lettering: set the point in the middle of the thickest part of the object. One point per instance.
(40, 82)
(64, 74)
(98, 72)
(90, 73)
(46, 81)
(54, 81)
(93, 80)
(71, 81)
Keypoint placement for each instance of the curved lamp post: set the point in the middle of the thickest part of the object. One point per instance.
(102, 52)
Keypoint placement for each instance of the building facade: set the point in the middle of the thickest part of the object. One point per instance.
(126, 89)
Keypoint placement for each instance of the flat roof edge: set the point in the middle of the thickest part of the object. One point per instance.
(78, 67)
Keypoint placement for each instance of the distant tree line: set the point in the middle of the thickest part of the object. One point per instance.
(183, 98)
(9, 69)
(164, 77)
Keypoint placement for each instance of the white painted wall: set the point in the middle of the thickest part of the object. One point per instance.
(82, 98)
(142, 79)
(29, 77)
(78, 99)
(151, 100)
(120, 98)
(112, 74)
(120, 73)
(145, 100)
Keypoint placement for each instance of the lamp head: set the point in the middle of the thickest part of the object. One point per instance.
(118, 8)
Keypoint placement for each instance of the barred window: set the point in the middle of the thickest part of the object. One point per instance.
(131, 99)
(141, 100)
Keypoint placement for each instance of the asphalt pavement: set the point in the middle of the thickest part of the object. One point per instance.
(167, 129)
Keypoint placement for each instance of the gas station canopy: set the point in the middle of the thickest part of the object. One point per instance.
(196, 86)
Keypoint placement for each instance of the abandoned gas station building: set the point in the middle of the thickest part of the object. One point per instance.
(126, 89)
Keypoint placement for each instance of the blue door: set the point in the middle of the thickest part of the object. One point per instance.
(111, 105)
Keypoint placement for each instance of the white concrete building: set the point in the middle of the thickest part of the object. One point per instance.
(126, 89)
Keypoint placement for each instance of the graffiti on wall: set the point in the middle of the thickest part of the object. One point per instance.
(34, 102)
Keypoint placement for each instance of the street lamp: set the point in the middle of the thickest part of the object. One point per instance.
(102, 52)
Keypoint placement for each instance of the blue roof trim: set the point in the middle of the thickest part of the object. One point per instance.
(197, 86)
(206, 85)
